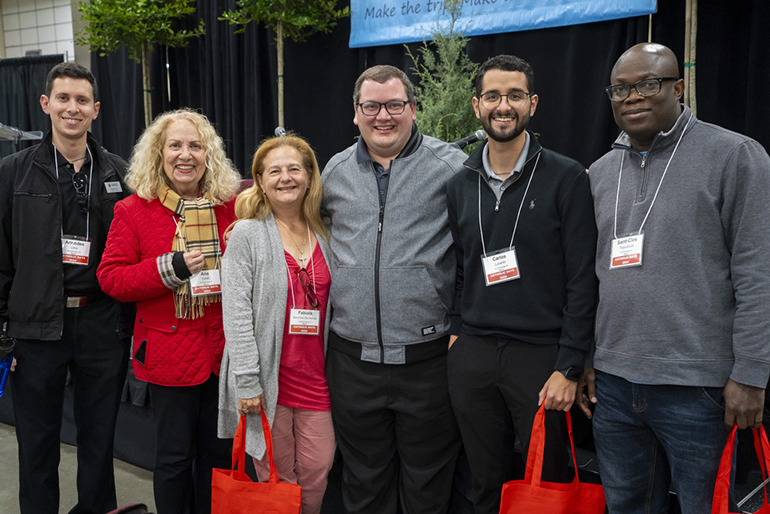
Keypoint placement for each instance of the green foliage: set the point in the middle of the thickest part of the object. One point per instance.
(110, 24)
(444, 84)
(300, 18)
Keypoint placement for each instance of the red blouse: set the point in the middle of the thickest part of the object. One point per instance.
(301, 378)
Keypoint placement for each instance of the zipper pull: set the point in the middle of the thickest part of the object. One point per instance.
(644, 161)
(379, 222)
(497, 205)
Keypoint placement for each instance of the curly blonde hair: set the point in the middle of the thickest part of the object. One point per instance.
(253, 203)
(145, 170)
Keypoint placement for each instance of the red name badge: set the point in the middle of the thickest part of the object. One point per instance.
(500, 266)
(206, 282)
(305, 322)
(626, 251)
(75, 250)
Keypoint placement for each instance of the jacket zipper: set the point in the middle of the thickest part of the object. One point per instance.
(645, 177)
(60, 220)
(377, 248)
(378, 315)
(47, 196)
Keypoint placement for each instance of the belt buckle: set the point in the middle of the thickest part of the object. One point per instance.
(73, 302)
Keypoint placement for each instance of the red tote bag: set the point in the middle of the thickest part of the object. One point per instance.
(720, 505)
(533, 496)
(233, 492)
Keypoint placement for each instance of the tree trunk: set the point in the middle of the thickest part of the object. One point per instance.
(146, 84)
(279, 46)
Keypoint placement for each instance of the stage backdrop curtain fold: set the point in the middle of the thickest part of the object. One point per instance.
(22, 81)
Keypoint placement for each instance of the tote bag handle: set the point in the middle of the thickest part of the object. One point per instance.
(534, 470)
(239, 449)
(720, 504)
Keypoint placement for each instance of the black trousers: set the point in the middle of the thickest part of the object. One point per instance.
(494, 385)
(188, 446)
(96, 358)
(396, 432)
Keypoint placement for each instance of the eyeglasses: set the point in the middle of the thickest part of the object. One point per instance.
(393, 107)
(80, 183)
(646, 87)
(307, 286)
(493, 99)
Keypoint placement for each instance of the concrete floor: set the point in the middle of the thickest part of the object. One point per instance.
(134, 485)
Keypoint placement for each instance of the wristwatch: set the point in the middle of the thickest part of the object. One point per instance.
(572, 373)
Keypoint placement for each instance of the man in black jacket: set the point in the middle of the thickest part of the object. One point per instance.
(56, 205)
(524, 232)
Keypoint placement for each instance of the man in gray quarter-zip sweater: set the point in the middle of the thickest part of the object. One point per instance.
(683, 322)
(522, 219)
(393, 273)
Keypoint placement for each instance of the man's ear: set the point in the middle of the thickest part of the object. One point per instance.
(44, 104)
(475, 102)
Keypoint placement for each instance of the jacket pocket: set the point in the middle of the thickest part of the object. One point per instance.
(150, 338)
(352, 298)
(410, 306)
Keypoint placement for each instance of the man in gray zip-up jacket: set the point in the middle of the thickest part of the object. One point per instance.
(393, 272)
(683, 322)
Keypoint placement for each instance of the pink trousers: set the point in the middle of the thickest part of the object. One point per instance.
(303, 449)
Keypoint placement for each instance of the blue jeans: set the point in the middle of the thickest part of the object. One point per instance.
(652, 437)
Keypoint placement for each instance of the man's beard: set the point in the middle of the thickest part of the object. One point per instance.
(504, 137)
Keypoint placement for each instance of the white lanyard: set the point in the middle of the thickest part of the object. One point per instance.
(620, 174)
(304, 321)
(312, 269)
(518, 214)
(90, 181)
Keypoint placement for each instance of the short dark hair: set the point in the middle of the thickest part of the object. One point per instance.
(381, 74)
(505, 63)
(71, 70)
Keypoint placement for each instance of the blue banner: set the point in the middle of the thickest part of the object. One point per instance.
(387, 22)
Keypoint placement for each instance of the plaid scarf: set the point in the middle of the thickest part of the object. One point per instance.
(197, 230)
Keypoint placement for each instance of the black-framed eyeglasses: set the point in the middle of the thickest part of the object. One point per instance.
(646, 87)
(80, 183)
(393, 107)
(307, 287)
(493, 99)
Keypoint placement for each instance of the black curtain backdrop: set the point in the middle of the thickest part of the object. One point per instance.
(232, 78)
(22, 81)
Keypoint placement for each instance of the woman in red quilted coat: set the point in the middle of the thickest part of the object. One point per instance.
(164, 252)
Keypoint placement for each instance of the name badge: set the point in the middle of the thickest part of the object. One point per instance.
(205, 282)
(113, 187)
(500, 266)
(305, 321)
(626, 251)
(75, 250)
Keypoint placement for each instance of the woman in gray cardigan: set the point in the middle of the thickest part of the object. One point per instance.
(275, 288)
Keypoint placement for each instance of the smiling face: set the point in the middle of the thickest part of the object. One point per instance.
(184, 158)
(385, 134)
(284, 179)
(643, 117)
(71, 107)
(505, 122)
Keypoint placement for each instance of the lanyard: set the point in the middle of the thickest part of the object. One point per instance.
(518, 214)
(620, 174)
(90, 179)
(312, 269)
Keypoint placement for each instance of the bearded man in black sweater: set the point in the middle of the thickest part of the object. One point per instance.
(523, 225)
